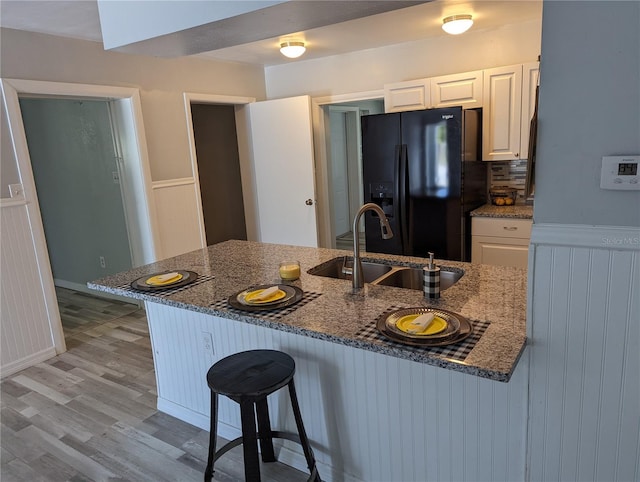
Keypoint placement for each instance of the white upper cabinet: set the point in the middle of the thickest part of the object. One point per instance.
(506, 94)
(530, 74)
(509, 103)
(501, 116)
(458, 89)
(409, 95)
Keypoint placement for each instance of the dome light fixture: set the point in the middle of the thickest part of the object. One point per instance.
(457, 24)
(292, 49)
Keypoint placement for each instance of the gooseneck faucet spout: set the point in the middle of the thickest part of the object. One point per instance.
(357, 276)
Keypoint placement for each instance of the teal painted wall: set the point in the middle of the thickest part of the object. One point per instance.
(73, 158)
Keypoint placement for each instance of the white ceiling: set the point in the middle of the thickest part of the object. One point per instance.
(79, 19)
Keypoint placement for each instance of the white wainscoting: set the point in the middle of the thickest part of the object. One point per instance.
(25, 329)
(178, 209)
(584, 418)
(370, 417)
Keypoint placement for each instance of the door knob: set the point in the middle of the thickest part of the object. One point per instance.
(309, 202)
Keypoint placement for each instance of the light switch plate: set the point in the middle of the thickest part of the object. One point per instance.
(620, 173)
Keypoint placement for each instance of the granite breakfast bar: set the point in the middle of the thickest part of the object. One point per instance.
(360, 395)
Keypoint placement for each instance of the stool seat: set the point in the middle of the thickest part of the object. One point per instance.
(255, 373)
(248, 378)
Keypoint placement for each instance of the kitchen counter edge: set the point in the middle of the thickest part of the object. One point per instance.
(489, 293)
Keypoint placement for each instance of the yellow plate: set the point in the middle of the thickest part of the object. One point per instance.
(249, 297)
(160, 281)
(438, 325)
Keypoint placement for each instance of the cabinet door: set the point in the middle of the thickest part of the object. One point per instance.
(501, 115)
(458, 89)
(500, 251)
(530, 75)
(410, 95)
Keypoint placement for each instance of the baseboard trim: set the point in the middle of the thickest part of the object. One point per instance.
(583, 236)
(26, 362)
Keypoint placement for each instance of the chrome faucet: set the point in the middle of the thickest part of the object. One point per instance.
(357, 276)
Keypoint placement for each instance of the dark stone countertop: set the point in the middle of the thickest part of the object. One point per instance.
(485, 293)
(517, 211)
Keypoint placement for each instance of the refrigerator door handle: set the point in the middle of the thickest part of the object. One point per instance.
(404, 218)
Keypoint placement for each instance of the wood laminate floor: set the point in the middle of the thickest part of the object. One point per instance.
(89, 414)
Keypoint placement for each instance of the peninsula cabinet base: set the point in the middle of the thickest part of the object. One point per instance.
(369, 417)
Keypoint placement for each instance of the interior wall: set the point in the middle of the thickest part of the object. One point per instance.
(26, 55)
(371, 69)
(583, 330)
(589, 78)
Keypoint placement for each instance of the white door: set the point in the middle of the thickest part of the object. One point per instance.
(282, 152)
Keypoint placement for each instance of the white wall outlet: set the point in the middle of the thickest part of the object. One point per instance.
(207, 343)
(103, 263)
(16, 190)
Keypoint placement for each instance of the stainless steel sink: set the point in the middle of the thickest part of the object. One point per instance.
(339, 268)
(412, 278)
(383, 274)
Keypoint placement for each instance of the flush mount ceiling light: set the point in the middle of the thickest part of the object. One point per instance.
(457, 24)
(292, 49)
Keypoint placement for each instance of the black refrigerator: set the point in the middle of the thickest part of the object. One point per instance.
(424, 169)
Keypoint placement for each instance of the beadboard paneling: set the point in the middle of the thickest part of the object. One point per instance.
(26, 335)
(370, 417)
(177, 205)
(584, 421)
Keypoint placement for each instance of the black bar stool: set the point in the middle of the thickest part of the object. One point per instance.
(248, 378)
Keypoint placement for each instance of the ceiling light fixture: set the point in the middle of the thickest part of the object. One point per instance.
(457, 24)
(292, 49)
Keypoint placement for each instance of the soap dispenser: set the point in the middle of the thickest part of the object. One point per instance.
(431, 277)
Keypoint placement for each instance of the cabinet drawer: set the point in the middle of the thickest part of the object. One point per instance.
(501, 227)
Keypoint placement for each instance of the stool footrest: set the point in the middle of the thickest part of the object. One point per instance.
(238, 441)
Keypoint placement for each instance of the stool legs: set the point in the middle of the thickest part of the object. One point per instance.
(304, 441)
(264, 431)
(213, 434)
(249, 442)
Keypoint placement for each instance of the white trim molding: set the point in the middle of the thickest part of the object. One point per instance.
(183, 181)
(603, 237)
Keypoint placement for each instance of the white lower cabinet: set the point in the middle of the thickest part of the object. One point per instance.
(500, 241)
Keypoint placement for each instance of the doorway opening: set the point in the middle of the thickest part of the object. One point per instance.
(75, 159)
(134, 178)
(216, 145)
(344, 165)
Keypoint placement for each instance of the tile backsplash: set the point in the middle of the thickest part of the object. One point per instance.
(511, 174)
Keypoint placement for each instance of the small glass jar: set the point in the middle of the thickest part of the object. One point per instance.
(289, 270)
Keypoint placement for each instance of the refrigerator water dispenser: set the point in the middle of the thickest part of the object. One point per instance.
(382, 195)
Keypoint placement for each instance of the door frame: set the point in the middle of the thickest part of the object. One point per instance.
(245, 165)
(141, 220)
(352, 136)
(322, 149)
